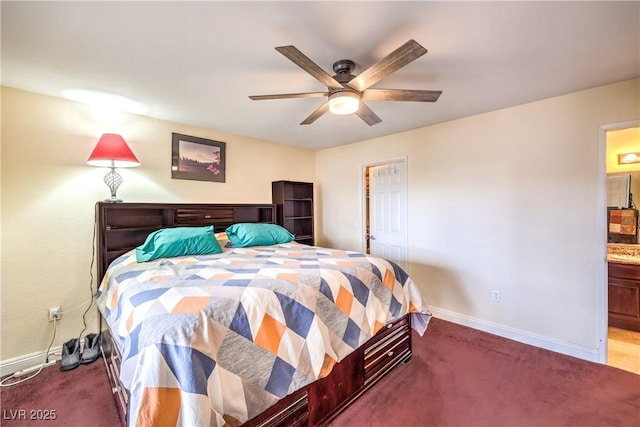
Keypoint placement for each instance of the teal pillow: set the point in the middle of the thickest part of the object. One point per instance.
(178, 241)
(242, 235)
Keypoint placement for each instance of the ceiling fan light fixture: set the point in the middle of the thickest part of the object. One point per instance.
(344, 102)
(345, 90)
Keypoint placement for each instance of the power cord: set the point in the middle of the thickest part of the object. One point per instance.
(75, 308)
(44, 362)
(93, 257)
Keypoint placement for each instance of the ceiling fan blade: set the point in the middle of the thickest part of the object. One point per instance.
(290, 95)
(401, 95)
(397, 59)
(302, 61)
(316, 114)
(366, 114)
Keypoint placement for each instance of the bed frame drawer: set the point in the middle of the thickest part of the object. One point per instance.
(111, 357)
(391, 327)
(388, 348)
(295, 414)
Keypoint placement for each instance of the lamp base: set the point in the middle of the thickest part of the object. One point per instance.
(113, 200)
(113, 181)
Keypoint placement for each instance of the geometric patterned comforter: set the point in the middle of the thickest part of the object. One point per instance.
(217, 339)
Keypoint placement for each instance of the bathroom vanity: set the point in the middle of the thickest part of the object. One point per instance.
(624, 286)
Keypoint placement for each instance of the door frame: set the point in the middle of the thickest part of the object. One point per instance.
(363, 201)
(601, 224)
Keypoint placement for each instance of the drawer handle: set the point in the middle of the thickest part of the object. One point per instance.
(390, 354)
(207, 216)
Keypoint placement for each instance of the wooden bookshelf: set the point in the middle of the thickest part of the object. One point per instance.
(294, 208)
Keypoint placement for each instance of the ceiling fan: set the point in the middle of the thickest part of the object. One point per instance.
(346, 92)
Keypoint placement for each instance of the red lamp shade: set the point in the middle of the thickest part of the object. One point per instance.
(112, 151)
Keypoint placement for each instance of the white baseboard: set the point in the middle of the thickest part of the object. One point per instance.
(548, 343)
(15, 364)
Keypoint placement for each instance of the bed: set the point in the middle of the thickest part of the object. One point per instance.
(268, 335)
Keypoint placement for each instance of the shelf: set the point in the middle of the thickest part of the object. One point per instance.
(294, 208)
(131, 228)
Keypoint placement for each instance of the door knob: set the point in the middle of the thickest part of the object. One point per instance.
(372, 237)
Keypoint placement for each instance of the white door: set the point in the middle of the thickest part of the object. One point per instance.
(618, 191)
(388, 212)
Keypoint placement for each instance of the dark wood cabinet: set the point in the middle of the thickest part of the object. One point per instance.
(624, 296)
(294, 208)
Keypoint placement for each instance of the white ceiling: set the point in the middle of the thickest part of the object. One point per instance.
(197, 62)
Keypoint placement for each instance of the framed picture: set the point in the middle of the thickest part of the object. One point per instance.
(197, 158)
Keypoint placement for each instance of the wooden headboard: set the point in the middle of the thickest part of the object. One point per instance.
(124, 226)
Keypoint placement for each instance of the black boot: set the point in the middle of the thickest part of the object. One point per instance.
(91, 350)
(70, 355)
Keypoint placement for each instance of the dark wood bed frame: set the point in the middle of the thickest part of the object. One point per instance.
(123, 226)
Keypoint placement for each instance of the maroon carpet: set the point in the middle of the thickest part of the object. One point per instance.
(77, 398)
(463, 377)
(458, 377)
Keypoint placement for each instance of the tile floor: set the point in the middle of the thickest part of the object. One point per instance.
(624, 349)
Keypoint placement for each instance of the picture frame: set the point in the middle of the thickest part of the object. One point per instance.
(197, 158)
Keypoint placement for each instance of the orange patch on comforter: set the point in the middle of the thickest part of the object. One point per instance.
(159, 406)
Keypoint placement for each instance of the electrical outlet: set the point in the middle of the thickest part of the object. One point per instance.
(495, 295)
(54, 313)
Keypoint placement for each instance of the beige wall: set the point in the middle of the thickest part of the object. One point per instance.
(48, 196)
(506, 200)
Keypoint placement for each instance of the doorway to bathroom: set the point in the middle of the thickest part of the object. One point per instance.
(620, 343)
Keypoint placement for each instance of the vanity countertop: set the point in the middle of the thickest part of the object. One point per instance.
(623, 259)
(622, 253)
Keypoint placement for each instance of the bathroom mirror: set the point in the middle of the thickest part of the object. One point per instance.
(619, 191)
(633, 192)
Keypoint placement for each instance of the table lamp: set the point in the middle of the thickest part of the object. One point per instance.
(113, 152)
